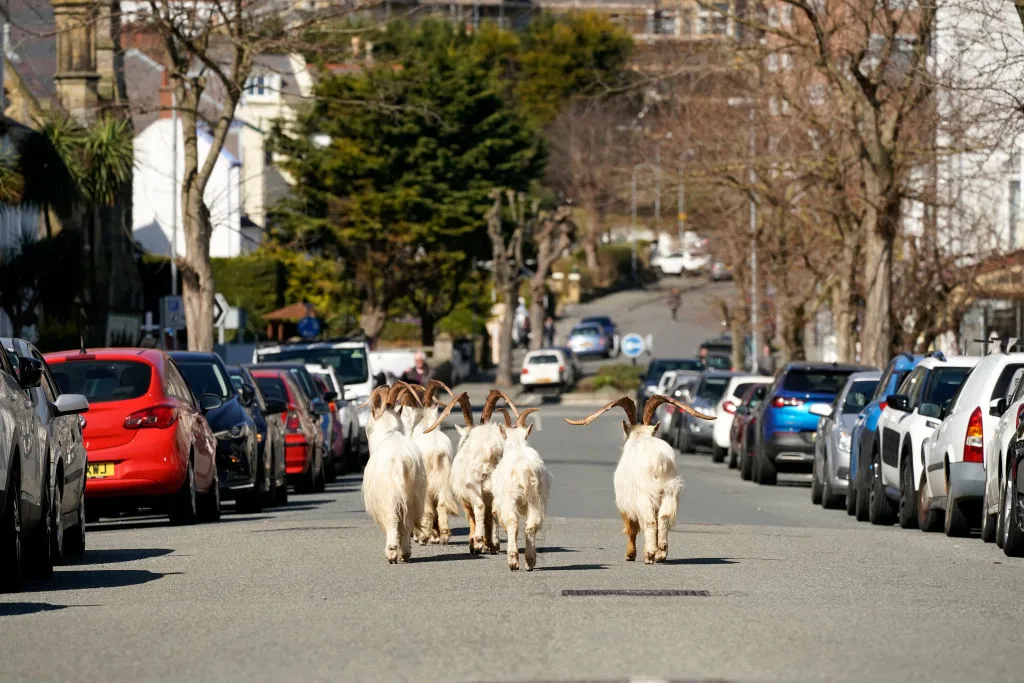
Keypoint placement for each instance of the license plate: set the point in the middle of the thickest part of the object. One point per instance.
(545, 380)
(100, 470)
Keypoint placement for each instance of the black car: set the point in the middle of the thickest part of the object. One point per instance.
(270, 433)
(320, 407)
(1010, 523)
(239, 467)
(657, 368)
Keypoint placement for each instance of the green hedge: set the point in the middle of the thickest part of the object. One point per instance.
(616, 376)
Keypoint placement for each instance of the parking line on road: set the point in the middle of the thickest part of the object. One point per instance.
(662, 593)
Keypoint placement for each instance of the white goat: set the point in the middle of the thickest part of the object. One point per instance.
(521, 484)
(647, 484)
(478, 453)
(394, 480)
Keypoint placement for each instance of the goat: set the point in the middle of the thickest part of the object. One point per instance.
(521, 484)
(479, 450)
(437, 450)
(647, 484)
(394, 479)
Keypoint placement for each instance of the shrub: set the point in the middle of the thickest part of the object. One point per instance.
(618, 376)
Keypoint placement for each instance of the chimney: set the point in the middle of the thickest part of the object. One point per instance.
(166, 103)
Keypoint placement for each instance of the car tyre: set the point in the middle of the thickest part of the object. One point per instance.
(40, 554)
(331, 470)
(956, 525)
(208, 506)
(908, 496)
(319, 484)
(308, 481)
(184, 504)
(988, 522)
(861, 509)
(851, 499)
(269, 494)
(815, 486)
(767, 474)
(1013, 534)
(829, 499)
(733, 462)
(717, 454)
(746, 465)
(57, 539)
(683, 439)
(11, 559)
(927, 518)
(880, 508)
(74, 539)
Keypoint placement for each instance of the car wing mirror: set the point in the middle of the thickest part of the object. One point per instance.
(275, 406)
(246, 393)
(30, 372)
(320, 407)
(71, 404)
(331, 396)
(820, 409)
(208, 402)
(997, 407)
(899, 402)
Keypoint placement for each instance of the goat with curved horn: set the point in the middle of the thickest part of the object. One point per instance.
(504, 414)
(432, 387)
(626, 403)
(521, 418)
(461, 400)
(654, 401)
(493, 397)
(437, 449)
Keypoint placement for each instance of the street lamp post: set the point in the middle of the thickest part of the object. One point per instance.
(754, 365)
(632, 208)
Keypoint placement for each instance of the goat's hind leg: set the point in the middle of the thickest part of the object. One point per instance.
(490, 526)
(533, 522)
(471, 516)
(512, 529)
(408, 525)
(650, 538)
(393, 539)
(666, 514)
(425, 527)
(630, 528)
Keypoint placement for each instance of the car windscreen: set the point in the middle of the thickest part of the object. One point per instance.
(204, 377)
(273, 387)
(711, 389)
(943, 384)
(350, 365)
(547, 359)
(585, 332)
(103, 380)
(660, 367)
(814, 381)
(859, 395)
(719, 362)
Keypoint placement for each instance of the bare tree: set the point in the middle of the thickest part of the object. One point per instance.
(507, 254)
(552, 235)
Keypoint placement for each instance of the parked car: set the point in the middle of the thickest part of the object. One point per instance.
(787, 428)
(303, 437)
(336, 435)
(718, 272)
(726, 411)
(682, 389)
(589, 339)
(611, 331)
(575, 364)
(998, 459)
(744, 426)
(347, 412)
(1010, 532)
(863, 434)
(656, 369)
(954, 472)
(149, 445)
(319, 408)
(42, 467)
(830, 473)
(269, 433)
(545, 369)
(693, 432)
(718, 361)
(688, 262)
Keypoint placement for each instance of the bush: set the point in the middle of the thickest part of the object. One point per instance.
(617, 376)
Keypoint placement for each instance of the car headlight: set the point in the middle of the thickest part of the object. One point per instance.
(649, 389)
(844, 441)
(241, 431)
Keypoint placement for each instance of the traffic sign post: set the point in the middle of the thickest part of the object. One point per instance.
(309, 327)
(632, 346)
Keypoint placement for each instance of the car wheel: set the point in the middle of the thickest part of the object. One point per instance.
(308, 481)
(815, 485)
(851, 499)
(40, 553)
(683, 439)
(10, 536)
(209, 504)
(746, 465)
(829, 499)
(282, 493)
(767, 475)
(861, 510)
(184, 505)
(1013, 534)
(318, 483)
(908, 496)
(733, 464)
(250, 502)
(717, 454)
(331, 470)
(956, 525)
(74, 539)
(57, 523)
(270, 488)
(999, 517)
(988, 522)
(927, 519)
(880, 508)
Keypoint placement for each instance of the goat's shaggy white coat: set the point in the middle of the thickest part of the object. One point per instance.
(479, 451)
(647, 487)
(437, 450)
(521, 484)
(394, 483)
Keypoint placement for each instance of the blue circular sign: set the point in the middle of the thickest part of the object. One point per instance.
(309, 327)
(632, 345)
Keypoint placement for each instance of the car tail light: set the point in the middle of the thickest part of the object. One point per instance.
(291, 421)
(784, 402)
(729, 407)
(1020, 415)
(526, 370)
(882, 405)
(159, 416)
(974, 443)
(561, 368)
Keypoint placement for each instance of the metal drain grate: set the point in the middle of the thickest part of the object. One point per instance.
(637, 593)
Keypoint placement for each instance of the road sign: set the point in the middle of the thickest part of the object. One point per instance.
(220, 309)
(632, 345)
(172, 313)
(309, 327)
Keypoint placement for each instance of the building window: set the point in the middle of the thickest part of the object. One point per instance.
(772, 62)
(816, 94)
(263, 86)
(1014, 213)
(720, 19)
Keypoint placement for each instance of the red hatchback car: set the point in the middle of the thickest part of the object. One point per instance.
(147, 441)
(303, 438)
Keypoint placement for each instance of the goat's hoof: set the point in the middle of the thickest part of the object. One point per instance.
(630, 557)
(513, 562)
(648, 558)
(445, 538)
(406, 556)
(661, 555)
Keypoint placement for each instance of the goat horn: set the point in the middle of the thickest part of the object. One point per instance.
(378, 402)
(492, 399)
(467, 412)
(504, 413)
(432, 386)
(626, 403)
(369, 400)
(521, 420)
(409, 398)
(679, 404)
(396, 391)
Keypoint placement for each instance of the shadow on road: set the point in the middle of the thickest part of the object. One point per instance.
(114, 555)
(81, 579)
(556, 549)
(128, 524)
(573, 568)
(700, 560)
(13, 609)
(443, 558)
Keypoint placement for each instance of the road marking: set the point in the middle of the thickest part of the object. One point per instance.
(642, 593)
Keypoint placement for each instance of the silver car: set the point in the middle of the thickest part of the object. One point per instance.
(830, 476)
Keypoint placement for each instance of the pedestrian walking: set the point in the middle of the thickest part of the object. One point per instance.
(766, 363)
(420, 373)
(549, 332)
(675, 299)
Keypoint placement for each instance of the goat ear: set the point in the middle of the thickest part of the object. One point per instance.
(501, 428)
(461, 430)
(529, 430)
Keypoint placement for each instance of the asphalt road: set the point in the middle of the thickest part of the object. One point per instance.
(779, 590)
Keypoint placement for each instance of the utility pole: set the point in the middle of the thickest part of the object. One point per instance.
(657, 187)
(754, 365)
(681, 217)
(175, 195)
(632, 208)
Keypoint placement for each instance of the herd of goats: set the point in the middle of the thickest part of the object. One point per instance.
(415, 478)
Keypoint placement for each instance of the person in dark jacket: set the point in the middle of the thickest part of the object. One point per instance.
(420, 373)
(549, 332)
(675, 299)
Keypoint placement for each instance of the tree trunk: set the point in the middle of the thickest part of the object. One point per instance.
(877, 339)
(844, 301)
(427, 324)
(372, 319)
(537, 311)
(590, 242)
(793, 317)
(503, 377)
(197, 287)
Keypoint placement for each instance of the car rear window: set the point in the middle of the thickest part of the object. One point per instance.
(815, 381)
(742, 389)
(944, 384)
(859, 396)
(712, 388)
(273, 387)
(1002, 387)
(205, 377)
(660, 367)
(102, 381)
(585, 332)
(548, 359)
(719, 362)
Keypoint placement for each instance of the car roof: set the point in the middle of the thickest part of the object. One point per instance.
(284, 365)
(952, 362)
(152, 356)
(192, 355)
(585, 324)
(864, 376)
(541, 352)
(804, 365)
(596, 318)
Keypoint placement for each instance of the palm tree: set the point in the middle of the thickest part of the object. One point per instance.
(51, 161)
(12, 182)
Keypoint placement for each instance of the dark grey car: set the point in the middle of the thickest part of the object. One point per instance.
(692, 432)
(830, 474)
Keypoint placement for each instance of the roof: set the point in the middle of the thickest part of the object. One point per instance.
(290, 313)
(33, 48)
(866, 375)
(954, 361)
(848, 367)
(152, 356)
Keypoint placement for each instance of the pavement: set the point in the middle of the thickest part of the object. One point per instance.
(759, 586)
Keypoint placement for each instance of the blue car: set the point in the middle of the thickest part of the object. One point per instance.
(863, 434)
(787, 427)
